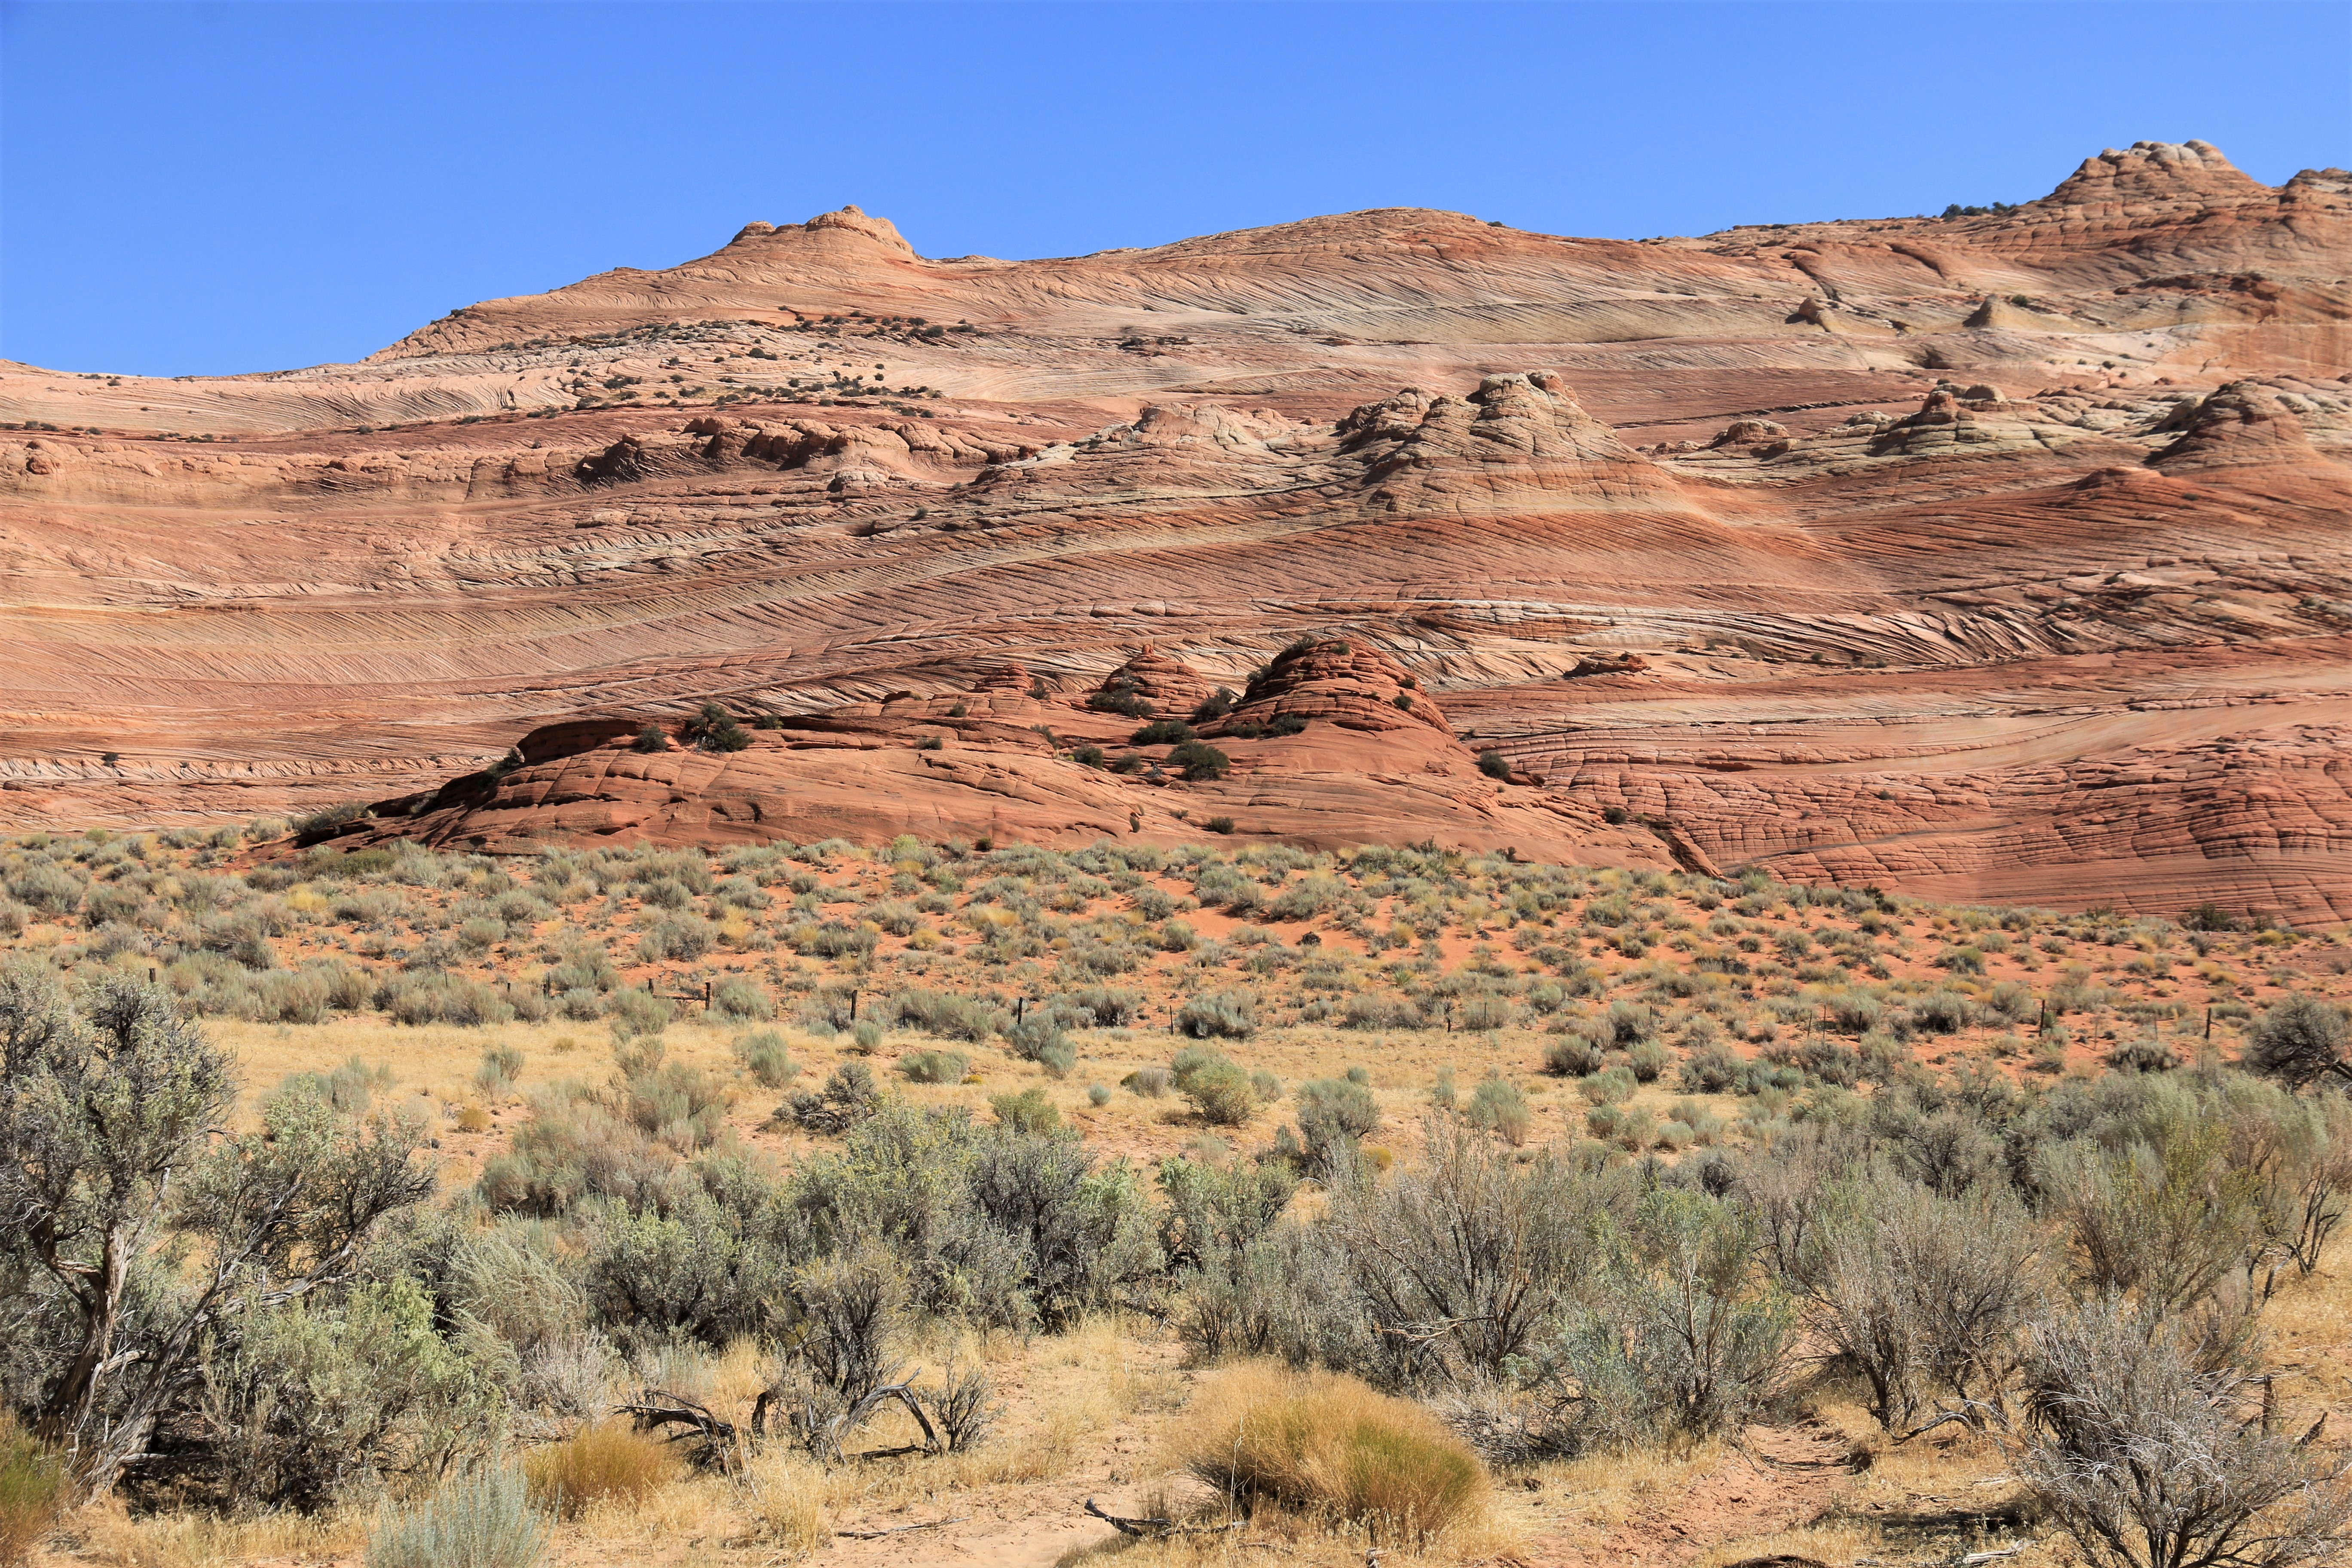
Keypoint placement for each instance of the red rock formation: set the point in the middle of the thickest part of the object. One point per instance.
(1151, 684)
(1361, 770)
(2004, 505)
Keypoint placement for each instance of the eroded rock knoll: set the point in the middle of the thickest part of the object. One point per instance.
(1999, 555)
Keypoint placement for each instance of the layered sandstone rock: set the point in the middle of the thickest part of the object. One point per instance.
(2003, 505)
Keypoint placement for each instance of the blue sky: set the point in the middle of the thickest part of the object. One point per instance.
(214, 188)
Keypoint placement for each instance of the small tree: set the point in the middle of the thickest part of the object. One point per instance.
(110, 1118)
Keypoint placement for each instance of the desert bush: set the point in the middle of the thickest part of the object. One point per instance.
(305, 1401)
(1333, 1113)
(1612, 1085)
(2151, 1459)
(833, 938)
(637, 1014)
(1200, 761)
(1454, 1268)
(1365, 1010)
(1148, 1082)
(681, 938)
(478, 1520)
(1648, 1061)
(1030, 1112)
(677, 1103)
(934, 1067)
(1942, 1012)
(1330, 1447)
(1218, 1088)
(2300, 1040)
(502, 1065)
(1683, 1336)
(1573, 1056)
(1629, 1024)
(1923, 1296)
(1226, 1015)
(111, 1100)
(742, 1000)
(417, 999)
(2146, 1054)
(1037, 1038)
(2162, 1217)
(947, 1016)
(572, 1147)
(608, 1460)
(1711, 1069)
(1107, 1007)
(848, 1097)
(1500, 1107)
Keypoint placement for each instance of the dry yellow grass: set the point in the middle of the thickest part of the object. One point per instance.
(1327, 1445)
(106, 1532)
(606, 1463)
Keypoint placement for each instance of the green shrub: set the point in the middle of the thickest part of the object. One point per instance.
(1029, 1113)
(1201, 762)
(715, 729)
(1495, 765)
(1037, 1038)
(833, 938)
(1711, 1069)
(1573, 1055)
(947, 1015)
(1227, 1015)
(2300, 1040)
(1333, 1113)
(414, 999)
(650, 738)
(1478, 1013)
(1161, 732)
(1611, 1086)
(847, 1098)
(482, 1520)
(502, 1065)
(1649, 1062)
(767, 1059)
(1500, 1107)
(934, 1067)
(681, 938)
(1218, 1088)
(742, 1000)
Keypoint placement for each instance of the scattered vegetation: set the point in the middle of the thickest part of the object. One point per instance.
(759, 1132)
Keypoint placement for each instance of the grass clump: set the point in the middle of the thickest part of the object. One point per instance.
(1333, 1448)
(32, 1490)
(609, 1460)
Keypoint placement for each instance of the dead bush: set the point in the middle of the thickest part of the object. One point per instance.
(2149, 1459)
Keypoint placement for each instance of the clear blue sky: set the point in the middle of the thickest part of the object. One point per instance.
(212, 188)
